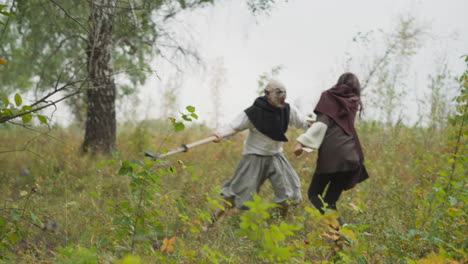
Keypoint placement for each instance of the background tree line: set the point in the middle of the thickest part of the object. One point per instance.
(74, 49)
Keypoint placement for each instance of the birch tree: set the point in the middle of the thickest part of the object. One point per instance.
(81, 45)
(49, 43)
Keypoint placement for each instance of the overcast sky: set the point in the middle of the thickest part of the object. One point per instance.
(309, 39)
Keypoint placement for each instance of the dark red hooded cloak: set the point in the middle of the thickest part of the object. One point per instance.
(341, 104)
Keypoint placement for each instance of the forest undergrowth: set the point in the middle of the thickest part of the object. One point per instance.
(61, 207)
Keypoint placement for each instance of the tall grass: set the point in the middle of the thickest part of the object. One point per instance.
(61, 207)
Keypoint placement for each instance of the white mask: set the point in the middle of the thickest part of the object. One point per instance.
(276, 93)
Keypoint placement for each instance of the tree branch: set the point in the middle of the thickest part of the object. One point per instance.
(376, 66)
(68, 15)
(5, 119)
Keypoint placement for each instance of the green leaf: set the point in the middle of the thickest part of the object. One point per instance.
(6, 14)
(179, 126)
(26, 118)
(118, 221)
(171, 170)
(125, 204)
(6, 102)
(42, 119)
(194, 115)
(27, 108)
(126, 168)
(190, 108)
(7, 112)
(18, 99)
(186, 118)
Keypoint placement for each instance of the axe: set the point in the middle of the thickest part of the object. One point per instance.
(186, 147)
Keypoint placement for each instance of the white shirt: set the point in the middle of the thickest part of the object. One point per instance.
(314, 136)
(257, 142)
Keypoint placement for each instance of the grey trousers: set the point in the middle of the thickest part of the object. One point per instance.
(253, 170)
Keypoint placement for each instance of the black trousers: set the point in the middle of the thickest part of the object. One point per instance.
(336, 183)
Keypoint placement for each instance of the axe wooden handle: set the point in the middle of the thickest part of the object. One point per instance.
(209, 139)
(185, 147)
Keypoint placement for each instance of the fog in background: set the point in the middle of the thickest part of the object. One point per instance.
(313, 43)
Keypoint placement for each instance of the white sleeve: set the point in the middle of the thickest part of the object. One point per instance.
(239, 123)
(299, 119)
(313, 137)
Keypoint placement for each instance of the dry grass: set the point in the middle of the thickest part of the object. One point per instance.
(77, 192)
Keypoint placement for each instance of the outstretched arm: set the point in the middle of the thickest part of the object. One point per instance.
(312, 138)
(239, 123)
(299, 119)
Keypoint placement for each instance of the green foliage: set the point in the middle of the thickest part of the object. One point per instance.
(131, 220)
(179, 125)
(76, 255)
(26, 112)
(16, 223)
(269, 238)
(130, 259)
(39, 33)
(462, 99)
(46, 43)
(411, 210)
(213, 256)
(436, 206)
(261, 6)
(4, 13)
(384, 77)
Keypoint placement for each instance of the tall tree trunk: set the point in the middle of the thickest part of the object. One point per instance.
(101, 121)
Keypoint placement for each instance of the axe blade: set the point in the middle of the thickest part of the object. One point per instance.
(151, 155)
(154, 157)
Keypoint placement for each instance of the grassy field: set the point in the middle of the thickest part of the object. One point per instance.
(61, 207)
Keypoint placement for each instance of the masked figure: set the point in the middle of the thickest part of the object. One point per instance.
(262, 158)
